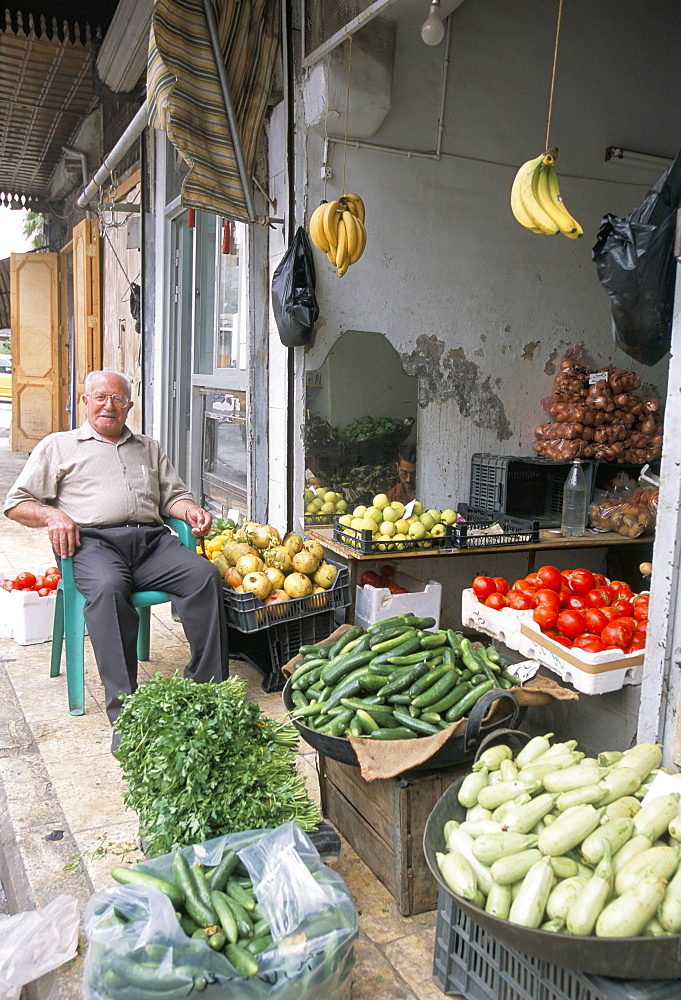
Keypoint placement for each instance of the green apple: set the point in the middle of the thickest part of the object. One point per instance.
(359, 511)
(417, 530)
(448, 516)
(435, 514)
(387, 528)
(368, 524)
(310, 509)
(318, 503)
(398, 506)
(401, 526)
(345, 520)
(308, 495)
(327, 508)
(412, 519)
(418, 508)
(330, 497)
(426, 520)
(357, 523)
(321, 492)
(341, 506)
(375, 514)
(438, 530)
(381, 501)
(390, 514)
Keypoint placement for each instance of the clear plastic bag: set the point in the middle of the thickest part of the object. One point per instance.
(35, 942)
(133, 933)
(617, 513)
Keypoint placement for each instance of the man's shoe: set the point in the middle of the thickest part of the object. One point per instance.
(115, 742)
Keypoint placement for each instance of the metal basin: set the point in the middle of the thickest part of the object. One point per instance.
(460, 748)
(618, 958)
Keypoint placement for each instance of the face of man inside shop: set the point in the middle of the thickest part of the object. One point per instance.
(406, 472)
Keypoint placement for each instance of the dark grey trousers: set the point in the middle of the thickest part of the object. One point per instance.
(109, 565)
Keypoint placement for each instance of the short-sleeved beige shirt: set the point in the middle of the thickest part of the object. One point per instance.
(97, 482)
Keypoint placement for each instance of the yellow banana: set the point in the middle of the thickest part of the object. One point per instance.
(331, 254)
(361, 241)
(552, 201)
(344, 266)
(317, 234)
(330, 221)
(342, 247)
(355, 205)
(524, 202)
(352, 233)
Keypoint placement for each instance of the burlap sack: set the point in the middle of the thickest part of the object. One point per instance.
(291, 665)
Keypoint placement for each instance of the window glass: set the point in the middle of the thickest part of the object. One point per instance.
(231, 304)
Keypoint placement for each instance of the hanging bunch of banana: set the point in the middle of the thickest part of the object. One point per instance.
(536, 201)
(337, 229)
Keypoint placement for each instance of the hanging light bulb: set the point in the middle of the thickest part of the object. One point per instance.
(432, 29)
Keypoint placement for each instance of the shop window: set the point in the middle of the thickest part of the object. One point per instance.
(360, 413)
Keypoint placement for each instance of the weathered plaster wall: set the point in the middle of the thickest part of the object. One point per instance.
(479, 308)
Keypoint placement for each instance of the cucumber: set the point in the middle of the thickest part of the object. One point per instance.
(242, 960)
(402, 679)
(420, 727)
(202, 914)
(341, 666)
(130, 876)
(225, 916)
(339, 644)
(437, 690)
(241, 895)
(395, 733)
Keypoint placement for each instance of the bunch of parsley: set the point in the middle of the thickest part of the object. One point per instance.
(200, 761)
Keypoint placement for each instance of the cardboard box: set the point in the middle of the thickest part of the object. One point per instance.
(384, 821)
(26, 617)
(373, 604)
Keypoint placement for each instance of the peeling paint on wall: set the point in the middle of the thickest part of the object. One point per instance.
(550, 366)
(450, 375)
(529, 349)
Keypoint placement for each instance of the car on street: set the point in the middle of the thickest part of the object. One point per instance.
(5, 376)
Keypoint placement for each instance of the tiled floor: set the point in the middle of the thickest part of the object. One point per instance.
(62, 819)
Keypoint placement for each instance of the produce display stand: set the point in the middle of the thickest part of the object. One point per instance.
(548, 540)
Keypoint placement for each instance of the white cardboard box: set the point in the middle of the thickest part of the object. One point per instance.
(26, 617)
(373, 604)
(590, 673)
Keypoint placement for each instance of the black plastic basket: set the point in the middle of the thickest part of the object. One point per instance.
(270, 648)
(380, 448)
(522, 487)
(468, 961)
(247, 613)
(515, 530)
(364, 542)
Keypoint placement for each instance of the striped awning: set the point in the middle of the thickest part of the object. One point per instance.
(185, 99)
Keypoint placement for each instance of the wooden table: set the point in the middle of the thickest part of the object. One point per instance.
(616, 545)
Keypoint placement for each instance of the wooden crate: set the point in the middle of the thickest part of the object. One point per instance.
(383, 821)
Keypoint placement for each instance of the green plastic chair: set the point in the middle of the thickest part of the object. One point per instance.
(68, 628)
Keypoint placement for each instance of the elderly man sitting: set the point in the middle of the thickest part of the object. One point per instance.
(102, 491)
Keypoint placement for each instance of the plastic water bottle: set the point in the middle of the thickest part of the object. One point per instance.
(573, 520)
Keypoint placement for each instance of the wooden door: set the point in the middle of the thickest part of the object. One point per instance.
(87, 353)
(36, 297)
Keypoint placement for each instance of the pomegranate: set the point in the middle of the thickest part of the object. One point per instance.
(298, 585)
(325, 576)
(305, 562)
(278, 556)
(275, 576)
(257, 584)
(314, 546)
(232, 578)
(249, 564)
(292, 542)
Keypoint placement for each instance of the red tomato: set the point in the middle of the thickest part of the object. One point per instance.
(546, 596)
(620, 588)
(52, 571)
(387, 572)
(625, 608)
(24, 581)
(565, 593)
(483, 586)
(44, 592)
(574, 603)
(610, 613)
(557, 637)
(369, 578)
(581, 581)
(595, 620)
(599, 597)
(518, 601)
(617, 634)
(588, 642)
(496, 601)
(533, 580)
(571, 623)
(7, 585)
(500, 585)
(545, 616)
(641, 628)
(640, 606)
(524, 587)
(52, 581)
(550, 577)
(636, 644)
(394, 588)
(600, 580)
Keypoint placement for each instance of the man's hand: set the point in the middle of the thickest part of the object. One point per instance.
(63, 533)
(199, 520)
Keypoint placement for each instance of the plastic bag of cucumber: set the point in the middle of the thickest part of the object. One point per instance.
(399, 692)
(255, 915)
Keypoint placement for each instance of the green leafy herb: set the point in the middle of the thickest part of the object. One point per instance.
(200, 762)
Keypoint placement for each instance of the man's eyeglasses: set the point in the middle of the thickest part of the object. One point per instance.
(116, 399)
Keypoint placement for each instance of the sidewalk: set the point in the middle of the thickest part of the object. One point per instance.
(63, 824)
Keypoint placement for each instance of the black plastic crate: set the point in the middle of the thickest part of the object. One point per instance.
(470, 962)
(365, 543)
(523, 487)
(247, 613)
(515, 530)
(270, 648)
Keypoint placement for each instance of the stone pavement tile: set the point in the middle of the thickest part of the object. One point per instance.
(100, 848)
(412, 956)
(373, 977)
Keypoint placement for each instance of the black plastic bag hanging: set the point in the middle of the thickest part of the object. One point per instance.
(293, 293)
(636, 266)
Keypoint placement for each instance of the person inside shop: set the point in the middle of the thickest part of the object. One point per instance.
(102, 491)
(405, 489)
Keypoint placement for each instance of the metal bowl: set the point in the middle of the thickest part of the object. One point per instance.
(619, 958)
(459, 748)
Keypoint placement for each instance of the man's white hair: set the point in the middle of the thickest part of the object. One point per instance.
(127, 381)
